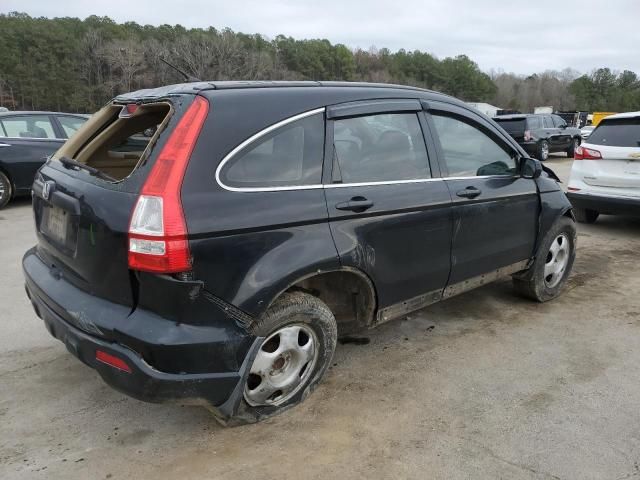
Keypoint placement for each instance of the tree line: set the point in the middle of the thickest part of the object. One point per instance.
(69, 64)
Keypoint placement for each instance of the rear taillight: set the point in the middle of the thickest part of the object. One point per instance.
(527, 135)
(583, 153)
(158, 231)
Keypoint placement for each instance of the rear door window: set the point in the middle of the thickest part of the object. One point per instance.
(289, 156)
(379, 148)
(624, 132)
(534, 123)
(469, 151)
(70, 124)
(28, 126)
(559, 121)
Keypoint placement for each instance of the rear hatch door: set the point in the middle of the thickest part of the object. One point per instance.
(618, 141)
(514, 127)
(84, 196)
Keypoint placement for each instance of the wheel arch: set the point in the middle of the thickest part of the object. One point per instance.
(555, 205)
(348, 292)
(568, 212)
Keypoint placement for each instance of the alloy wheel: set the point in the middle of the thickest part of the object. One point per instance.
(544, 150)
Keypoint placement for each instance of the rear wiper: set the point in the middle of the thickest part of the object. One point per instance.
(72, 164)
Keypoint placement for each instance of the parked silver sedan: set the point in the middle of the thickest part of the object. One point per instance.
(586, 131)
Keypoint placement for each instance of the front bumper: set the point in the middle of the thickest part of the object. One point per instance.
(221, 391)
(604, 204)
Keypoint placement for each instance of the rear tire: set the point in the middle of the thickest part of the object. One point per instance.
(571, 151)
(6, 190)
(543, 150)
(548, 275)
(585, 215)
(287, 369)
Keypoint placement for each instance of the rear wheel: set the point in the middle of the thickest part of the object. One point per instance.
(300, 338)
(571, 151)
(543, 150)
(5, 190)
(585, 215)
(548, 275)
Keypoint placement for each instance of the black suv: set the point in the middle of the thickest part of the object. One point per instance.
(263, 220)
(540, 134)
(26, 140)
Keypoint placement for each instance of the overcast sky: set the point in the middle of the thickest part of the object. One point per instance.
(511, 35)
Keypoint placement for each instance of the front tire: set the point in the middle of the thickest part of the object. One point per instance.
(548, 275)
(585, 215)
(543, 150)
(6, 190)
(300, 338)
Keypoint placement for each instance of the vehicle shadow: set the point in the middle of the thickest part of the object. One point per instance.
(612, 224)
(17, 202)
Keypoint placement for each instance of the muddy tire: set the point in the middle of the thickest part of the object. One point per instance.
(300, 335)
(584, 215)
(548, 275)
(5, 190)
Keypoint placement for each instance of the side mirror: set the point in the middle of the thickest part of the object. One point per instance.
(530, 168)
(563, 126)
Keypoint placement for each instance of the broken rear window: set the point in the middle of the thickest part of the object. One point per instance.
(118, 138)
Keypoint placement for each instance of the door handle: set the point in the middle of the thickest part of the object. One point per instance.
(4, 144)
(469, 192)
(356, 204)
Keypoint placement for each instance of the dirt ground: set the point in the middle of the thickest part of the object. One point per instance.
(484, 385)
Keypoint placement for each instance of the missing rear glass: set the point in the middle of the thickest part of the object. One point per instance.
(118, 138)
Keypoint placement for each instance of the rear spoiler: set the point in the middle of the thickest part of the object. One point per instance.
(154, 94)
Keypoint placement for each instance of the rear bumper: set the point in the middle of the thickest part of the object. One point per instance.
(605, 205)
(221, 390)
(530, 147)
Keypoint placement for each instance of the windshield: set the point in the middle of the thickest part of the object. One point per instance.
(512, 125)
(623, 132)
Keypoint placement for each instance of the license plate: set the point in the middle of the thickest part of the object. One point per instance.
(57, 223)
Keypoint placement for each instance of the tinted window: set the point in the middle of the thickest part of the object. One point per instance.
(548, 123)
(513, 125)
(534, 123)
(617, 133)
(70, 124)
(28, 126)
(379, 148)
(289, 156)
(468, 151)
(558, 121)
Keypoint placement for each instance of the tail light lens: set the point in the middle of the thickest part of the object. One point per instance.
(157, 230)
(527, 135)
(583, 153)
(112, 361)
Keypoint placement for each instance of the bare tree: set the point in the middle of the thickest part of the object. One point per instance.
(126, 60)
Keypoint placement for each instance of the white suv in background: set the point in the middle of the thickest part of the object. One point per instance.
(605, 176)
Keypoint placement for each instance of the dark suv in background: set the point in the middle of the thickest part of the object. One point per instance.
(219, 263)
(541, 134)
(26, 140)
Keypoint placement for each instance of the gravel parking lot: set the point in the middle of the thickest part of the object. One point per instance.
(485, 385)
